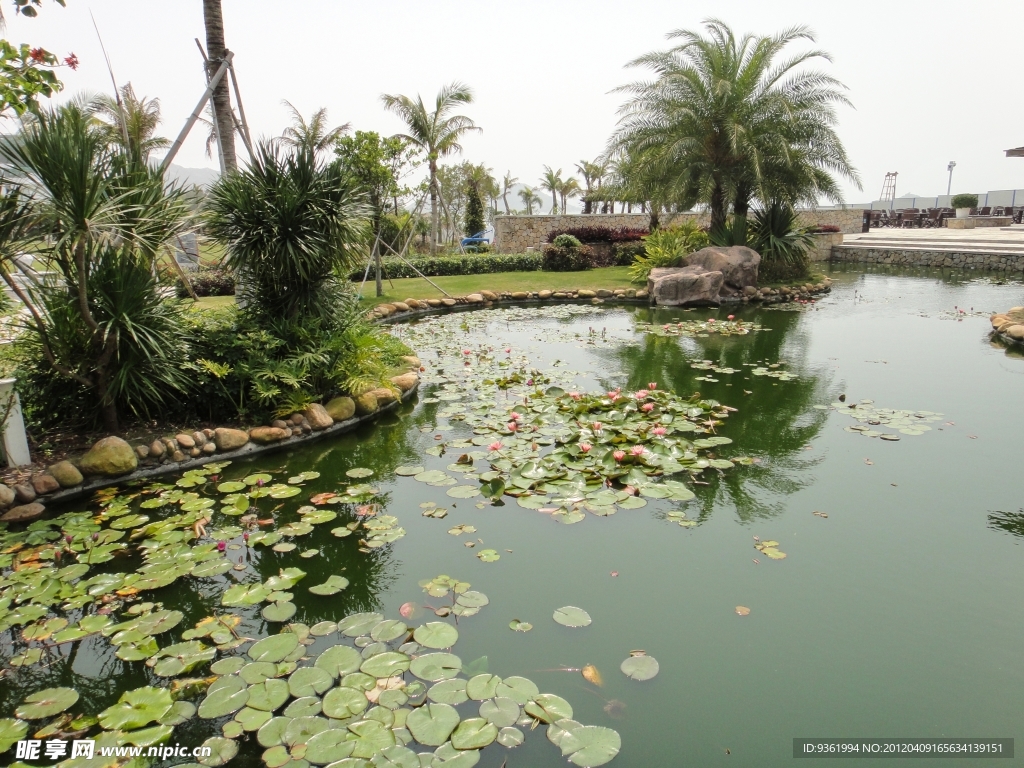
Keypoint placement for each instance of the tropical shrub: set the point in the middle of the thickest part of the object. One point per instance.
(782, 243)
(600, 234)
(825, 229)
(627, 253)
(469, 264)
(207, 281)
(964, 201)
(567, 254)
(667, 248)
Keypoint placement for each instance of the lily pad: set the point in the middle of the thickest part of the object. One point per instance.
(309, 681)
(432, 724)
(385, 664)
(370, 737)
(11, 732)
(488, 555)
(463, 491)
(520, 626)
(404, 471)
(279, 612)
(481, 687)
(571, 616)
(332, 586)
(590, 746)
(501, 711)
(138, 708)
(339, 660)
(436, 666)
(451, 691)
(222, 751)
(359, 472)
(46, 703)
(640, 666)
(436, 634)
(547, 707)
(474, 733)
(274, 648)
(510, 737)
(343, 702)
(329, 746)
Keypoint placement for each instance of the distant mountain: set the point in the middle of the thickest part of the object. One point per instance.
(201, 177)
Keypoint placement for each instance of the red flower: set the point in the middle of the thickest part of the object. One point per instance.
(38, 55)
(71, 61)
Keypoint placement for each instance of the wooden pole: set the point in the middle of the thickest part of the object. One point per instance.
(197, 111)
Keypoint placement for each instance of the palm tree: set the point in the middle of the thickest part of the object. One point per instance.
(592, 173)
(437, 133)
(216, 49)
(725, 119)
(137, 118)
(506, 185)
(569, 188)
(552, 181)
(314, 135)
(530, 199)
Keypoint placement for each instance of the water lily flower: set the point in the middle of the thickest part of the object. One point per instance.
(585, 447)
(619, 455)
(245, 537)
(647, 407)
(214, 478)
(495, 446)
(640, 394)
(659, 431)
(732, 317)
(613, 395)
(95, 537)
(529, 382)
(711, 319)
(508, 351)
(467, 352)
(637, 450)
(597, 426)
(68, 538)
(259, 482)
(221, 546)
(512, 426)
(652, 385)
(575, 395)
(516, 416)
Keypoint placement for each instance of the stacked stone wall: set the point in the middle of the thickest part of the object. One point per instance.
(516, 234)
(997, 262)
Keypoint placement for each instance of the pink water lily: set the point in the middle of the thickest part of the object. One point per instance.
(575, 395)
(512, 426)
(585, 447)
(659, 431)
(711, 319)
(221, 546)
(652, 385)
(516, 416)
(467, 352)
(494, 446)
(637, 450)
(732, 317)
(619, 455)
(640, 394)
(597, 426)
(613, 395)
(647, 407)
(508, 351)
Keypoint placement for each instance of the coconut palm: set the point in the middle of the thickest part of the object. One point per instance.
(135, 118)
(569, 188)
(314, 135)
(436, 132)
(726, 119)
(530, 199)
(551, 182)
(506, 186)
(593, 173)
(216, 49)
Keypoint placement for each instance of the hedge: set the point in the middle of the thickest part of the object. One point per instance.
(600, 234)
(454, 265)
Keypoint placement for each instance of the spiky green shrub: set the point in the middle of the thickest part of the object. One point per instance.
(667, 248)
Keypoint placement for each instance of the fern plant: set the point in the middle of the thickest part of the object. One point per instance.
(667, 248)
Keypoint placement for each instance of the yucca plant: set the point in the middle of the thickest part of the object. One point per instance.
(783, 244)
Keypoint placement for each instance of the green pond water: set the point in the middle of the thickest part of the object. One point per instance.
(897, 615)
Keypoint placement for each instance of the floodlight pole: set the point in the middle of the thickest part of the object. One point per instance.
(950, 167)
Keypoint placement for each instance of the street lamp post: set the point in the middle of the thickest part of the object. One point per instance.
(950, 167)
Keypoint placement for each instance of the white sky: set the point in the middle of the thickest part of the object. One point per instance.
(930, 81)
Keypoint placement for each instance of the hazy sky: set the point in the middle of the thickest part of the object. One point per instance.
(930, 82)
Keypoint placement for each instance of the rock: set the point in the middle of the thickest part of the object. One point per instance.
(185, 442)
(401, 306)
(227, 439)
(24, 493)
(384, 396)
(171, 444)
(434, 303)
(685, 286)
(596, 300)
(412, 303)
(631, 293)
(558, 295)
(142, 451)
(604, 293)
(544, 295)
(178, 457)
(195, 452)
(341, 408)
(406, 381)
(210, 434)
(109, 457)
(200, 438)
(366, 404)
(6, 496)
(23, 514)
(318, 417)
(738, 264)
(1015, 332)
(749, 290)
(385, 309)
(157, 449)
(475, 298)
(489, 295)
(411, 361)
(296, 431)
(642, 294)
(448, 302)
(585, 294)
(278, 424)
(520, 295)
(44, 483)
(67, 474)
(305, 428)
(296, 419)
(619, 293)
(209, 447)
(265, 435)
(998, 319)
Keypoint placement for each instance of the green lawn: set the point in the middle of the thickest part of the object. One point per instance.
(460, 285)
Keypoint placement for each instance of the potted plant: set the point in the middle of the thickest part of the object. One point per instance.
(963, 205)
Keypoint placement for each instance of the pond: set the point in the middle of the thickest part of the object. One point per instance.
(854, 572)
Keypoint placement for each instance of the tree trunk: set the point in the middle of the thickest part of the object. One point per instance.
(740, 208)
(586, 205)
(217, 50)
(554, 203)
(717, 207)
(434, 218)
(654, 223)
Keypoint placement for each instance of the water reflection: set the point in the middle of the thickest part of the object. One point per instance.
(1008, 522)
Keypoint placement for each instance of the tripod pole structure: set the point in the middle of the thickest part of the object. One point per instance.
(197, 111)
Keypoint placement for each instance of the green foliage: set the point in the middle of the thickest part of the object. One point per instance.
(627, 253)
(474, 212)
(567, 258)
(24, 79)
(376, 164)
(667, 248)
(207, 281)
(474, 264)
(782, 243)
(964, 201)
(291, 222)
(566, 241)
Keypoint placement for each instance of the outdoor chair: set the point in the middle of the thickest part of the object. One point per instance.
(986, 211)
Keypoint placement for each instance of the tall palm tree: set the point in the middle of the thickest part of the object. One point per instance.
(137, 118)
(437, 133)
(314, 135)
(593, 173)
(726, 119)
(552, 181)
(530, 199)
(506, 186)
(569, 188)
(216, 49)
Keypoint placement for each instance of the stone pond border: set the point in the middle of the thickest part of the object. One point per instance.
(1009, 326)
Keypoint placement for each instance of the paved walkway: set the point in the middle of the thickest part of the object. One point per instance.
(982, 240)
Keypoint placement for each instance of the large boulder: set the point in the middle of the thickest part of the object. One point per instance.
(685, 287)
(227, 439)
(384, 396)
(318, 417)
(341, 408)
(1016, 332)
(6, 496)
(406, 381)
(366, 404)
(66, 474)
(23, 514)
(109, 457)
(44, 483)
(738, 264)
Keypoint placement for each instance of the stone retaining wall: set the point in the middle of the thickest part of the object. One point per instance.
(514, 234)
(823, 244)
(999, 262)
